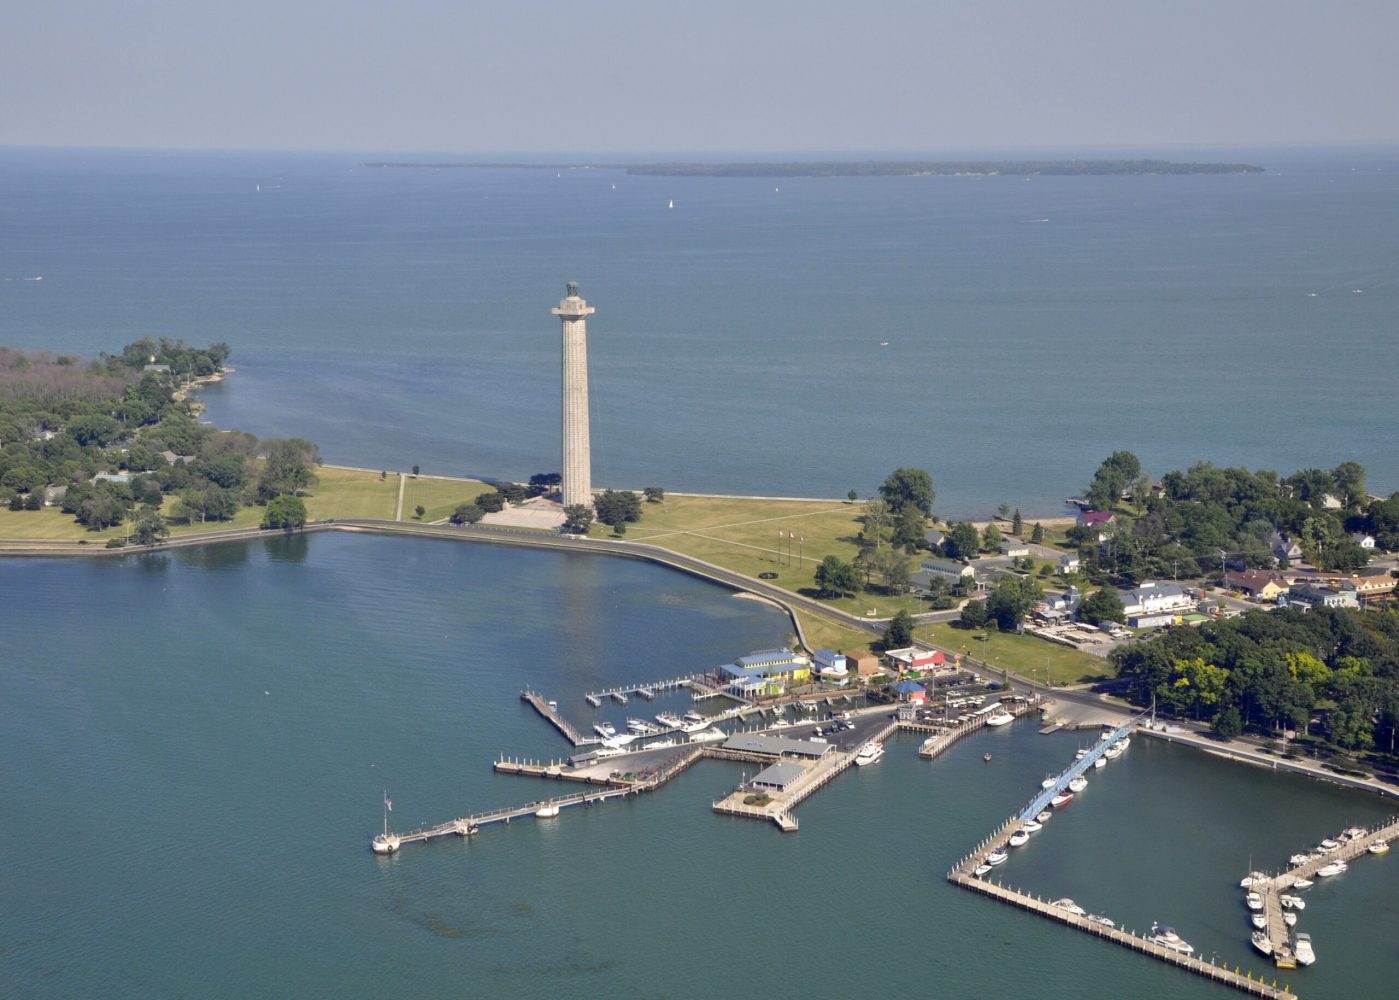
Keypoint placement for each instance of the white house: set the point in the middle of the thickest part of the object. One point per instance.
(1069, 563)
(1154, 599)
(1014, 547)
(1363, 540)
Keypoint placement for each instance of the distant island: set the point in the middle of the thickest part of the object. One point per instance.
(868, 168)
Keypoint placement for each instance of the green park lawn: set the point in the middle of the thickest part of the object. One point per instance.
(1024, 655)
(439, 496)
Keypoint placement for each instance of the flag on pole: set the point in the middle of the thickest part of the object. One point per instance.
(388, 802)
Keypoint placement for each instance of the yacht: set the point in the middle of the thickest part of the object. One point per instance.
(1001, 718)
(1260, 920)
(1168, 938)
(1048, 782)
(1298, 859)
(869, 754)
(1100, 761)
(1068, 904)
(1248, 880)
(1043, 816)
(1020, 837)
(1261, 942)
(708, 736)
(1082, 753)
(1078, 784)
(641, 727)
(547, 811)
(1305, 955)
(605, 729)
(1062, 799)
(1334, 868)
(996, 857)
(693, 717)
(618, 741)
(1379, 847)
(1114, 751)
(1292, 902)
(659, 744)
(981, 870)
(1030, 826)
(779, 723)
(1352, 833)
(1099, 919)
(1253, 901)
(1327, 846)
(669, 719)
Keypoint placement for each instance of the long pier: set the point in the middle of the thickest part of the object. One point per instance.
(1273, 889)
(646, 690)
(560, 723)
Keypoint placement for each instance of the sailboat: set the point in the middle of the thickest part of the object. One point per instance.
(386, 843)
(671, 204)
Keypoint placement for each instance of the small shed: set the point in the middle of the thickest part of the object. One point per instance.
(911, 691)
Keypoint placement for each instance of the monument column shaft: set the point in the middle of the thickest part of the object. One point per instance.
(577, 486)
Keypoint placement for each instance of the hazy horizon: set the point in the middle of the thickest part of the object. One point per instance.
(764, 77)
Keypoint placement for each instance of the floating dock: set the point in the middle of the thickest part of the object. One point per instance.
(560, 723)
(951, 736)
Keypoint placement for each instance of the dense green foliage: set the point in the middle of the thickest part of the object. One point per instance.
(909, 487)
(899, 632)
(835, 577)
(577, 518)
(1331, 672)
(284, 512)
(467, 513)
(616, 507)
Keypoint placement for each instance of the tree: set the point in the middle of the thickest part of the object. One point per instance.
(415, 472)
(419, 511)
(963, 541)
(876, 519)
(577, 519)
(1017, 524)
(150, 528)
(1102, 605)
(467, 513)
(286, 512)
(513, 492)
(835, 577)
(1012, 600)
(909, 528)
(288, 468)
(542, 482)
(899, 633)
(616, 506)
(94, 428)
(1113, 477)
(974, 614)
(991, 538)
(909, 486)
(654, 494)
(1037, 534)
(853, 495)
(491, 503)
(1227, 722)
(895, 567)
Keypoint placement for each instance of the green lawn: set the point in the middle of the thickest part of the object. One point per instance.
(439, 496)
(1024, 655)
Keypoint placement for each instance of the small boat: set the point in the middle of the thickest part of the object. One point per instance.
(1327, 846)
(1099, 919)
(1305, 955)
(659, 744)
(547, 811)
(779, 724)
(1048, 782)
(1031, 826)
(869, 754)
(1352, 833)
(1303, 883)
(1248, 880)
(1289, 917)
(670, 204)
(669, 719)
(1379, 847)
(997, 857)
(1001, 718)
(1261, 942)
(1298, 859)
(641, 727)
(1082, 753)
(981, 870)
(604, 729)
(1061, 800)
(619, 741)
(1260, 920)
(1020, 837)
(1114, 751)
(1043, 816)
(693, 716)
(708, 736)
(1334, 868)
(986, 757)
(1078, 784)
(1068, 904)
(553, 706)
(1292, 902)
(1100, 761)
(1253, 901)
(1168, 938)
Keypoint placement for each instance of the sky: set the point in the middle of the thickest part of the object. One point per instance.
(761, 76)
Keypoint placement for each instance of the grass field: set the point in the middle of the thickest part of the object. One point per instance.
(439, 496)
(1020, 654)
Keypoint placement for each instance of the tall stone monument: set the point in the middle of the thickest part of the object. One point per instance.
(577, 456)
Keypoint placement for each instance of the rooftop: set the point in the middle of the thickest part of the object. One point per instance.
(777, 746)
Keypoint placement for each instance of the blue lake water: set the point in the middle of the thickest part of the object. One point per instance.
(400, 317)
(195, 745)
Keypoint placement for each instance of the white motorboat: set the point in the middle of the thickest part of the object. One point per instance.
(1303, 883)
(1099, 919)
(1303, 947)
(1260, 920)
(1261, 942)
(1082, 753)
(1001, 718)
(620, 740)
(1031, 826)
(669, 719)
(1292, 902)
(1068, 904)
(1379, 847)
(694, 727)
(1043, 816)
(869, 754)
(1298, 859)
(1327, 846)
(1248, 880)
(1352, 833)
(1113, 752)
(779, 723)
(547, 811)
(1078, 784)
(997, 857)
(708, 736)
(1048, 782)
(641, 727)
(604, 729)
(981, 870)
(1020, 837)
(1334, 868)
(1253, 901)
(1168, 938)
(694, 717)
(659, 744)
(1100, 761)
(1289, 917)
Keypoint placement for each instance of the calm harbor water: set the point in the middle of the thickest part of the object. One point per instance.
(400, 317)
(195, 744)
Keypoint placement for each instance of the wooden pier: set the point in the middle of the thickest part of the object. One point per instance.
(1273, 889)
(560, 723)
(951, 736)
(646, 690)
